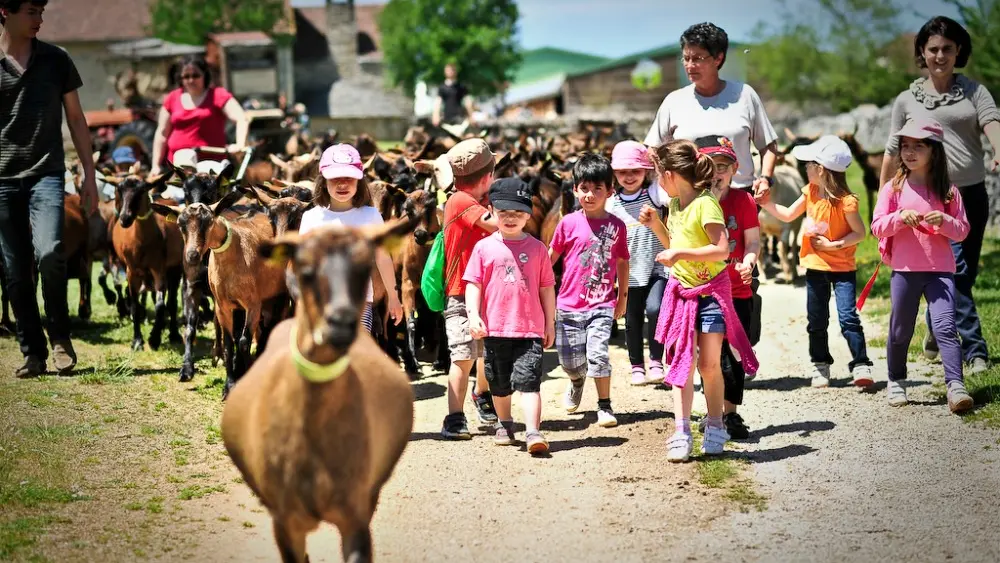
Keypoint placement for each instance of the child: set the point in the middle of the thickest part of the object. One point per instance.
(596, 250)
(916, 216)
(697, 305)
(831, 232)
(466, 222)
(342, 197)
(510, 281)
(646, 277)
(743, 231)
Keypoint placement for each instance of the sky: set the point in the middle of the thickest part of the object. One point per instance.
(622, 27)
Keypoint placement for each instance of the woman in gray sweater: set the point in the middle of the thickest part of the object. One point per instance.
(966, 110)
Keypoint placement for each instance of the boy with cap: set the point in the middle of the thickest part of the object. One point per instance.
(466, 222)
(511, 303)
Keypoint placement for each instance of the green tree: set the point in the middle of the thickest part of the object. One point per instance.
(190, 21)
(420, 36)
(982, 21)
(848, 56)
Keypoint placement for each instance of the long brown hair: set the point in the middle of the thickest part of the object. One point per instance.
(938, 173)
(833, 183)
(362, 197)
(682, 157)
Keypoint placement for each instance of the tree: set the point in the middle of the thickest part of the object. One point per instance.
(420, 36)
(982, 21)
(847, 57)
(191, 21)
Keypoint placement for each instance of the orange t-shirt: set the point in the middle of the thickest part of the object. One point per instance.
(461, 234)
(827, 217)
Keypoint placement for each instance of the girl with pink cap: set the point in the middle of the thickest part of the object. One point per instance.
(647, 278)
(342, 198)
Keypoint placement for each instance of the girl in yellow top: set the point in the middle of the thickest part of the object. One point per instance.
(831, 232)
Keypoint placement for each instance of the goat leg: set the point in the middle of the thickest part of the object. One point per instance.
(291, 546)
(236, 360)
(160, 313)
(190, 331)
(410, 349)
(133, 293)
(86, 285)
(228, 353)
(102, 280)
(358, 546)
(174, 277)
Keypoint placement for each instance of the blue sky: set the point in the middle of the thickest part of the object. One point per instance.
(621, 27)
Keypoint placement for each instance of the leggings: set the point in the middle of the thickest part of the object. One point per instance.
(643, 304)
(938, 288)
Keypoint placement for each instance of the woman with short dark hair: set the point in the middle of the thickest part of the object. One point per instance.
(966, 110)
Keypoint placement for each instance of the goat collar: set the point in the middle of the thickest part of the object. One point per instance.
(313, 372)
(227, 241)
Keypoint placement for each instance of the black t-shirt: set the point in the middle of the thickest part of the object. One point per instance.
(31, 112)
(452, 110)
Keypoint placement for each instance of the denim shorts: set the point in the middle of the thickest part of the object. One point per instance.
(513, 364)
(710, 318)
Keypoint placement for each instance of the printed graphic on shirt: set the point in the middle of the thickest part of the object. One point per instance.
(597, 257)
(732, 226)
(512, 272)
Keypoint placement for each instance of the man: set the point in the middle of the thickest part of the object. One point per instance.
(38, 82)
(453, 104)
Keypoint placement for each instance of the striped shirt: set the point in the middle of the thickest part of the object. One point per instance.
(643, 245)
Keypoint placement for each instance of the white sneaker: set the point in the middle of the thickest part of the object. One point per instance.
(896, 394)
(862, 376)
(606, 418)
(572, 397)
(713, 442)
(679, 447)
(977, 365)
(821, 375)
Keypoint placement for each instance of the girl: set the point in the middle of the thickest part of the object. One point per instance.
(831, 232)
(697, 304)
(647, 277)
(342, 197)
(917, 216)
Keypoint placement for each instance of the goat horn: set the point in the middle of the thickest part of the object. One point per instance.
(276, 160)
(112, 179)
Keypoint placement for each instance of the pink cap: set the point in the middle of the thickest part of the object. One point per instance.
(922, 128)
(630, 155)
(341, 161)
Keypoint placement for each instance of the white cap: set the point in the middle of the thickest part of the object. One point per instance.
(185, 158)
(829, 151)
(209, 167)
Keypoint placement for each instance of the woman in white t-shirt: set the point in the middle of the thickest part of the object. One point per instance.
(342, 198)
(713, 106)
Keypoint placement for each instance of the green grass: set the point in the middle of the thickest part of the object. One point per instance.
(386, 145)
(729, 475)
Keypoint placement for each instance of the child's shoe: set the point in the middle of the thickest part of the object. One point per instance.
(862, 376)
(638, 375)
(503, 434)
(656, 373)
(606, 417)
(959, 399)
(573, 396)
(484, 406)
(679, 447)
(537, 444)
(713, 442)
(896, 394)
(821, 375)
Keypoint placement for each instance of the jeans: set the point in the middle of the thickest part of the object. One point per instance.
(906, 288)
(31, 229)
(643, 305)
(977, 206)
(844, 284)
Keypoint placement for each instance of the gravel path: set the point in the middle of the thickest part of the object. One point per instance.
(846, 476)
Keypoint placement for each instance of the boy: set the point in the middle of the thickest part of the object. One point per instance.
(596, 257)
(466, 222)
(743, 226)
(510, 279)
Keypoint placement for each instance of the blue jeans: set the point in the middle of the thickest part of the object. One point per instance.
(31, 229)
(844, 284)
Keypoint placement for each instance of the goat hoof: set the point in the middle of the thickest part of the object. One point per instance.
(154, 342)
(175, 338)
(441, 365)
(84, 313)
(187, 373)
(137, 345)
(110, 297)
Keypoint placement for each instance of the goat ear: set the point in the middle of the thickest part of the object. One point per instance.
(169, 212)
(279, 251)
(160, 180)
(226, 202)
(276, 160)
(179, 171)
(502, 161)
(226, 172)
(268, 188)
(261, 195)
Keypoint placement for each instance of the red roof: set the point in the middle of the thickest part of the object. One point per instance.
(366, 16)
(70, 21)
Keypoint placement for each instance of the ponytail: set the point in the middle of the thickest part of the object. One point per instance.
(682, 158)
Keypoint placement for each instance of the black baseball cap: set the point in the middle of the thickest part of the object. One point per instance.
(510, 194)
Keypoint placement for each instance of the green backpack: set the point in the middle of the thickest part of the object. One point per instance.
(433, 282)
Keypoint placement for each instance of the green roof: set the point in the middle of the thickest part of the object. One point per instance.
(545, 62)
(665, 51)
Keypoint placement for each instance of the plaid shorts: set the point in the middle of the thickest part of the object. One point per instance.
(582, 342)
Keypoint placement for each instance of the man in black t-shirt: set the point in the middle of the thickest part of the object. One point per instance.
(38, 82)
(453, 104)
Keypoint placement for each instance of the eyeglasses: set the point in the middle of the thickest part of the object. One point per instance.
(694, 60)
(190, 76)
(722, 168)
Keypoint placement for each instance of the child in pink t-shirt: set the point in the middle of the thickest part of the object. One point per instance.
(511, 301)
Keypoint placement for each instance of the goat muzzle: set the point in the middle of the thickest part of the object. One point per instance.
(421, 236)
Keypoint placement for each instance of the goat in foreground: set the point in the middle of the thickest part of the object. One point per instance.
(320, 420)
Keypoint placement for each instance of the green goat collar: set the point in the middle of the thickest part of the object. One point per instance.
(313, 372)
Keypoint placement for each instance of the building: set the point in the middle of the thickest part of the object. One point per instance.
(536, 90)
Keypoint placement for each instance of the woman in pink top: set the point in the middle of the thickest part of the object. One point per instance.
(195, 115)
(917, 215)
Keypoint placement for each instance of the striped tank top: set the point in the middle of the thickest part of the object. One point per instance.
(643, 245)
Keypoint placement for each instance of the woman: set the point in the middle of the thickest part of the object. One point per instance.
(713, 106)
(195, 115)
(966, 110)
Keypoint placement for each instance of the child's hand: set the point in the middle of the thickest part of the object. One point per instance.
(745, 271)
(762, 197)
(550, 336)
(667, 257)
(934, 218)
(820, 242)
(395, 308)
(647, 216)
(620, 307)
(477, 328)
(910, 217)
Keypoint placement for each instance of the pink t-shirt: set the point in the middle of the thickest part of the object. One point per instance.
(203, 126)
(590, 249)
(511, 273)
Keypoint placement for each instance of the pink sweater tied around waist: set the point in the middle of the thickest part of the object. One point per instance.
(676, 327)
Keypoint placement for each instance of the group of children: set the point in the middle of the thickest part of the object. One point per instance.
(662, 239)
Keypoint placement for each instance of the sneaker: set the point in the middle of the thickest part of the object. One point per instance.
(63, 357)
(714, 440)
(455, 427)
(896, 394)
(702, 424)
(573, 396)
(657, 371)
(537, 444)
(735, 427)
(503, 434)
(862, 376)
(638, 375)
(821, 375)
(33, 367)
(679, 447)
(930, 347)
(959, 399)
(977, 365)
(484, 406)
(749, 376)
(606, 418)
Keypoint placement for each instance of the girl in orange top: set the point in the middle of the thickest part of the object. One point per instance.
(831, 232)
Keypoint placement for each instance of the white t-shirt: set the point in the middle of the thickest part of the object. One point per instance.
(356, 217)
(735, 112)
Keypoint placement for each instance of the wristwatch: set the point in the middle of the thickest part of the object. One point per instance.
(770, 180)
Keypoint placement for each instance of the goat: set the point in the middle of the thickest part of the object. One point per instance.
(77, 250)
(300, 167)
(871, 167)
(319, 422)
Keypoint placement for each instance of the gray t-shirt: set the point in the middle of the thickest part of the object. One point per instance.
(963, 113)
(31, 112)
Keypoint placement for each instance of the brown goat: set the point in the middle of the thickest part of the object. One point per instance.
(319, 422)
(302, 167)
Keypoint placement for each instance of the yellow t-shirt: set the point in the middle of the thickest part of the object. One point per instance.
(687, 230)
(827, 217)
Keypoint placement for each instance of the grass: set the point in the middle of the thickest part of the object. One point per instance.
(729, 474)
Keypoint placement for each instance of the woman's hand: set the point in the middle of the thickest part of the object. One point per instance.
(934, 218)
(910, 217)
(155, 171)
